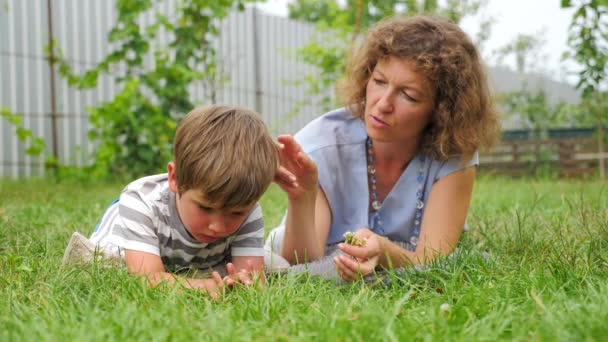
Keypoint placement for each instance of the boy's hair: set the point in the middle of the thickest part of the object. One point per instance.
(227, 153)
(464, 117)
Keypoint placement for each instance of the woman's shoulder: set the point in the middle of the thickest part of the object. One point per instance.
(338, 127)
(442, 168)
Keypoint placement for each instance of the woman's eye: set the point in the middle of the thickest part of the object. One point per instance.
(379, 81)
(407, 97)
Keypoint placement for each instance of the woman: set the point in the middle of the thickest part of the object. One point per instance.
(397, 164)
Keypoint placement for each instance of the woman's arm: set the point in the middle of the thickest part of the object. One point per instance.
(308, 215)
(306, 229)
(442, 224)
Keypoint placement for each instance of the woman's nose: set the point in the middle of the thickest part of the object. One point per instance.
(386, 102)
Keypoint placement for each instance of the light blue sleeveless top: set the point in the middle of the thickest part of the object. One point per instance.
(336, 143)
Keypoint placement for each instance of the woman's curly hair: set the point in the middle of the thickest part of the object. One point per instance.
(464, 117)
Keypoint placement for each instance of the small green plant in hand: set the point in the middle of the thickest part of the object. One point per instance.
(351, 239)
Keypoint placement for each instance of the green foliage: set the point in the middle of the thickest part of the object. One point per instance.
(135, 129)
(582, 114)
(35, 145)
(532, 107)
(525, 48)
(588, 37)
(340, 24)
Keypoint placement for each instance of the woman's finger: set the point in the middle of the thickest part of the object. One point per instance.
(285, 175)
(304, 161)
(354, 266)
(358, 252)
(343, 270)
(290, 146)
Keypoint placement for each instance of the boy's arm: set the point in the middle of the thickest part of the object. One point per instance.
(151, 266)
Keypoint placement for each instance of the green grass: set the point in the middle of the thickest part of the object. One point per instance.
(534, 265)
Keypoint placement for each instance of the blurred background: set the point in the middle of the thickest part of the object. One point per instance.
(92, 88)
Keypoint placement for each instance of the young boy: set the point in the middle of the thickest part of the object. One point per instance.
(203, 213)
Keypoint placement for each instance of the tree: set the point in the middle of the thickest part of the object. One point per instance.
(526, 103)
(588, 38)
(341, 25)
(526, 49)
(533, 108)
(135, 129)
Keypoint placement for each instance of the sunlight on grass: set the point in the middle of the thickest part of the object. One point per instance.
(533, 265)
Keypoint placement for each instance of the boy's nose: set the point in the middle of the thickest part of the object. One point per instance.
(217, 224)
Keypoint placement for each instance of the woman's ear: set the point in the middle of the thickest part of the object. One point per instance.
(172, 177)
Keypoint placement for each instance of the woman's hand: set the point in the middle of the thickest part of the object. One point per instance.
(359, 261)
(297, 174)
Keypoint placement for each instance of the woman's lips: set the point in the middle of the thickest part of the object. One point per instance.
(377, 122)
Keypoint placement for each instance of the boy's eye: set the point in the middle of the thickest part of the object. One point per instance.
(237, 213)
(204, 208)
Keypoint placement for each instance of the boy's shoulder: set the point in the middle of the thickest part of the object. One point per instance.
(151, 190)
(148, 184)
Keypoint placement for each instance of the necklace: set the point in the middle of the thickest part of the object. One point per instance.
(376, 218)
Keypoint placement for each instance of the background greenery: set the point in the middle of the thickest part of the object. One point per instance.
(133, 131)
(534, 265)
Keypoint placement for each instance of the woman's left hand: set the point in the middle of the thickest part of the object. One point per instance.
(359, 261)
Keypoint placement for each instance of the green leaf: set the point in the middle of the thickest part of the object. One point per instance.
(23, 133)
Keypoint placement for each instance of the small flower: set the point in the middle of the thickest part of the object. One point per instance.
(351, 239)
(444, 308)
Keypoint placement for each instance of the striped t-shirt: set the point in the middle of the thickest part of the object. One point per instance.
(145, 219)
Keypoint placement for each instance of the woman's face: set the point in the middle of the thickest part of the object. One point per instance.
(399, 102)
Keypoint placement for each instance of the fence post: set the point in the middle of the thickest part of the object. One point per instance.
(51, 59)
(256, 61)
(600, 148)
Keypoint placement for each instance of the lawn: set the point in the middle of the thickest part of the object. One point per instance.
(533, 265)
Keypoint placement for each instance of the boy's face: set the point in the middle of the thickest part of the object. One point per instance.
(206, 222)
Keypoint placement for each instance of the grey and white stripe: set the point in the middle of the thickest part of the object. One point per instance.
(145, 219)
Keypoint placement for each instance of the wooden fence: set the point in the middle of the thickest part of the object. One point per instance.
(567, 157)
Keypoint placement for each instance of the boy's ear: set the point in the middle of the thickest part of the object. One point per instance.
(172, 177)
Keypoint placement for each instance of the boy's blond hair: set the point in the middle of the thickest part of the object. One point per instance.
(227, 153)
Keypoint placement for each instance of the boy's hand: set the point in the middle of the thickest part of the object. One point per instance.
(297, 174)
(247, 276)
(234, 277)
(214, 286)
(359, 261)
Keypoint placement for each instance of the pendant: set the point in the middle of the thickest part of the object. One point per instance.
(376, 205)
(414, 240)
(419, 204)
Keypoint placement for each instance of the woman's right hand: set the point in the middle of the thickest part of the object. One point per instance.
(359, 261)
(297, 174)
